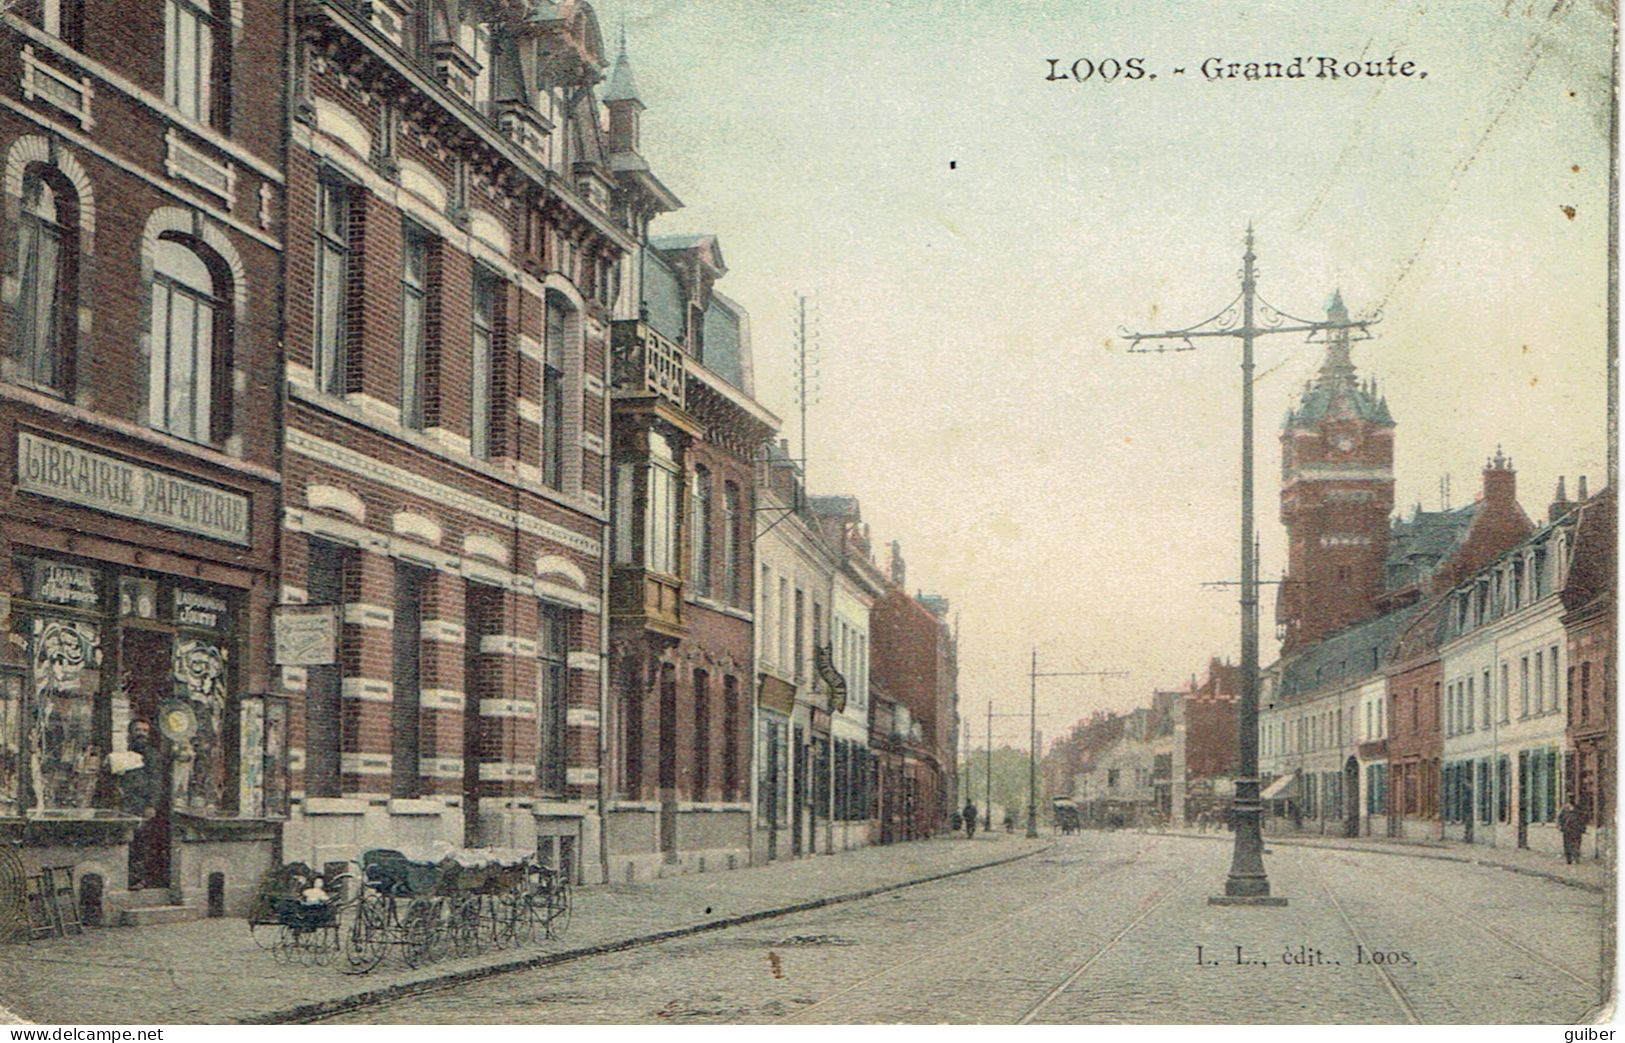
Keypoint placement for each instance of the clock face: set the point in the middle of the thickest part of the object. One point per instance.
(1344, 444)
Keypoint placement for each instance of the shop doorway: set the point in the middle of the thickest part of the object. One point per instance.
(145, 663)
(1351, 798)
(798, 790)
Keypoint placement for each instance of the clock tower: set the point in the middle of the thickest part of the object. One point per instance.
(1337, 492)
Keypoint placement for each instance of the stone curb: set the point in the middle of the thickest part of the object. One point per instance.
(1421, 852)
(307, 1012)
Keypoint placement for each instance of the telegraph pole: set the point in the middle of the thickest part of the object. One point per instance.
(1032, 737)
(1247, 883)
(987, 826)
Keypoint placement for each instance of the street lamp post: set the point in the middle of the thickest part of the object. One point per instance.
(1247, 883)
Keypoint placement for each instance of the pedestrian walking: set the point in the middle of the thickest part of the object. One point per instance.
(1572, 824)
(970, 819)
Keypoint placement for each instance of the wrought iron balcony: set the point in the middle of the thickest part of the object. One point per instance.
(646, 361)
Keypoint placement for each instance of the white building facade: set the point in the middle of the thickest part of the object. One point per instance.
(1504, 709)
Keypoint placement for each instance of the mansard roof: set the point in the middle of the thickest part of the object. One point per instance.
(1350, 654)
(1420, 545)
(1332, 400)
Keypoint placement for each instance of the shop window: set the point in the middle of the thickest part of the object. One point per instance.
(13, 753)
(203, 679)
(552, 712)
(189, 371)
(64, 757)
(45, 248)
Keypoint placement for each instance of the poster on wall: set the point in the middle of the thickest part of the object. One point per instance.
(11, 741)
(64, 761)
(201, 680)
(305, 635)
(251, 755)
(276, 757)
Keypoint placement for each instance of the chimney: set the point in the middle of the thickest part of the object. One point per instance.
(1561, 504)
(1500, 481)
(896, 568)
(1583, 495)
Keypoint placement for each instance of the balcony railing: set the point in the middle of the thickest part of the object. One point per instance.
(647, 361)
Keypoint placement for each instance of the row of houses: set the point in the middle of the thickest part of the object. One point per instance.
(381, 478)
(1445, 674)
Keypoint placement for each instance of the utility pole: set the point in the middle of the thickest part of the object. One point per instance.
(1247, 883)
(987, 826)
(1032, 737)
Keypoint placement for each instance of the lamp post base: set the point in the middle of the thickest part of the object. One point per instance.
(1275, 900)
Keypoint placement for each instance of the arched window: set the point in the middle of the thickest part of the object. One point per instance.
(195, 51)
(702, 532)
(730, 543)
(191, 333)
(46, 252)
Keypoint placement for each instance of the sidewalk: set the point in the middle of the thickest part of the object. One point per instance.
(210, 971)
(1588, 875)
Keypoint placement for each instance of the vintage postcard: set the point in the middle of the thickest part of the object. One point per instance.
(649, 512)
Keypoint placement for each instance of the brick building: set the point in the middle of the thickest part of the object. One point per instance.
(1590, 600)
(455, 255)
(142, 233)
(687, 432)
(914, 659)
(1414, 741)
(1207, 752)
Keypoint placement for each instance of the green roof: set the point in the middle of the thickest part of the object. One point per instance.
(1348, 655)
(1317, 403)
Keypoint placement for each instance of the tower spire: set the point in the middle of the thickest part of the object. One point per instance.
(1337, 370)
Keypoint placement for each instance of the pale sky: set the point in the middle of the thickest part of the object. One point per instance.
(975, 395)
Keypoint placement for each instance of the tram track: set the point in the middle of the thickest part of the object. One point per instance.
(1394, 990)
(954, 951)
(1066, 983)
(1455, 909)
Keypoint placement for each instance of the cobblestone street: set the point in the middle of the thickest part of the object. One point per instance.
(1104, 928)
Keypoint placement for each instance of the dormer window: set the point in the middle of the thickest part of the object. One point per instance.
(477, 41)
(696, 331)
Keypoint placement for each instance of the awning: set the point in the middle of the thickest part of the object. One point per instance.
(1283, 788)
(778, 695)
